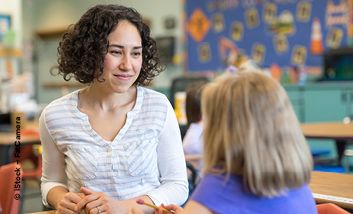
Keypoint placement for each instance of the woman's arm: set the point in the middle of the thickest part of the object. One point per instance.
(53, 175)
(171, 164)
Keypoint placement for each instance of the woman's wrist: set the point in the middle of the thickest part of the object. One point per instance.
(55, 195)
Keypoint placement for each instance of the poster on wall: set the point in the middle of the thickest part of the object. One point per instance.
(281, 32)
(5, 25)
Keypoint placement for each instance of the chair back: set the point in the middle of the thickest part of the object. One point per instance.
(10, 186)
(329, 208)
(192, 176)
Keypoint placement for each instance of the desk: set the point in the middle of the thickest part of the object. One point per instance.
(7, 141)
(44, 212)
(339, 132)
(328, 187)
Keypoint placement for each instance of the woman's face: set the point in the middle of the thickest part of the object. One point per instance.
(123, 62)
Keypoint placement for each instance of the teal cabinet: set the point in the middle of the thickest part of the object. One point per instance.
(321, 102)
(347, 98)
(323, 105)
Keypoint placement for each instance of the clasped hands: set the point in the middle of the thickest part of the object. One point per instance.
(86, 201)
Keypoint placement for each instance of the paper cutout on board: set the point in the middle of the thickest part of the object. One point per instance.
(303, 11)
(198, 25)
(228, 50)
(258, 53)
(204, 52)
(237, 31)
(252, 18)
(284, 24)
(281, 43)
(334, 38)
(336, 14)
(316, 45)
(221, 5)
(218, 22)
(299, 55)
(270, 13)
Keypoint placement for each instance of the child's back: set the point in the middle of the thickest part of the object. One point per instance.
(255, 156)
(230, 196)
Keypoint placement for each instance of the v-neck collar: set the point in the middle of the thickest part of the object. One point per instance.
(87, 125)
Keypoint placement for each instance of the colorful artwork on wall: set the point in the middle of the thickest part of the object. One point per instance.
(283, 32)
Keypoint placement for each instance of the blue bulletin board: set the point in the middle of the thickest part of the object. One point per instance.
(282, 32)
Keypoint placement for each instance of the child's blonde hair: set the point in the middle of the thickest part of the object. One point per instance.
(251, 130)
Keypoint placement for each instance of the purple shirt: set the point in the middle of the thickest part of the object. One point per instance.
(230, 197)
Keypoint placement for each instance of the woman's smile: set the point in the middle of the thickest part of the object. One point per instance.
(124, 77)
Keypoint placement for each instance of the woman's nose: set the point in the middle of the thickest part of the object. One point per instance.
(125, 63)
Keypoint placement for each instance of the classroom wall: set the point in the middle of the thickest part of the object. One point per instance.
(52, 14)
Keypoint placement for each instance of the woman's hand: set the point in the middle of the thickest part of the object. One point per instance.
(172, 208)
(68, 204)
(95, 202)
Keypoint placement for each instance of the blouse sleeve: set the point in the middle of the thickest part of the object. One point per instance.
(53, 162)
(171, 163)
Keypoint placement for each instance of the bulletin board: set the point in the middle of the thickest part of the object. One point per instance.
(282, 32)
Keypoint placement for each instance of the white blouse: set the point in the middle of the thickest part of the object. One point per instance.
(145, 158)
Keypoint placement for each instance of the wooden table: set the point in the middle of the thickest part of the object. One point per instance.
(328, 187)
(7, 141)
(44, 212)
(339, 132)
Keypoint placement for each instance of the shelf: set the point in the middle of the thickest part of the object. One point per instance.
(10, 52)
(51, 33)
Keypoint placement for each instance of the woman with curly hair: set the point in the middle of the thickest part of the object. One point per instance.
(113, 141)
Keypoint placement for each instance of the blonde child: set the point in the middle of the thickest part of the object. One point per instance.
(255, 156)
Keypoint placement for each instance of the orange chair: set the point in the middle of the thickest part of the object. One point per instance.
(10, 186)
(35, 173)
(329, 208)
(34, 154)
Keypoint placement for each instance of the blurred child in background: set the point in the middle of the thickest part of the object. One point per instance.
(192, 141)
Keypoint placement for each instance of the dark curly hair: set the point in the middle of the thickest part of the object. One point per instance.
(83, 47)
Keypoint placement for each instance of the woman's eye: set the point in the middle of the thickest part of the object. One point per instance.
(136, 54)
(116, 52)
